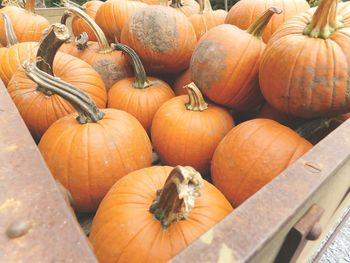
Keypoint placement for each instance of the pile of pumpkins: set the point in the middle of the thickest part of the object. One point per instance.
(216, 95)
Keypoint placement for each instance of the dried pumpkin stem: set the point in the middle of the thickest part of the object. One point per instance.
(197, 102)
(83, 104)
(176, 3)
(177, 198)
(258, 26)
(205, 6)
(10, 34)
(141, 81)
(30, 6)
(81, 41)
(324, 21)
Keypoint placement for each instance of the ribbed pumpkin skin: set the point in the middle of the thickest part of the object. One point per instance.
(310, 76)
(188, 8)
(89, 158)
(27, 26)
(184, 137)
(181, 81)
(163, 38)
(71, 49)
(141, 103)
(123, 225)
(251, 155)
(40, 111)
(113, 15)
(245, 12)
(12, 58)
(225, 67)
(79, 26)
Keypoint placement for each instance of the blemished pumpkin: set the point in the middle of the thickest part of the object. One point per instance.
(111, 64)
(181, 81)
(251, 155)
(114, 14)
(163, 38)
(187, 7)
(89, 151)
(304, 69)
(186, 130)
(141, 96)
(170, 207)
(245, 12)
(38, 106)
(225, 63)
(27, 25)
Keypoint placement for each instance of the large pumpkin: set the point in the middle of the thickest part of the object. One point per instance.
(245, 12)
(162, 37)
(40, 108)
(141, 96)
(304, 70)
(251, 155)
(225, 63)
(88, 153)
(186, 130)
(152, 214)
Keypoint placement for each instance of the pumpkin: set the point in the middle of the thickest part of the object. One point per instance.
(162, 37)
(40, 108)
(114, 14)
(151, 214)
(304, 69)
(186, 130)
(251, 155)
(187, 7)
(141, 96)
(27, 25)
(111, 64)
(225, 63)
(244, 12)
(89, 151)
(76, 46)
(207, 18)
(79, 25)
(181, 81)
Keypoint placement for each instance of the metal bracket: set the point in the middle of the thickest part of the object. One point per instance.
(307, 228)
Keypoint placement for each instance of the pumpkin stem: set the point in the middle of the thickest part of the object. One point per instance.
(30, 6)
(197, 102)
(141, 81)
(177, 198)
(10, 34)
(205, 6)
(82, 103)
(176, 3)
(101, 38)
(324, 21)
(81, 41)
(258, 26)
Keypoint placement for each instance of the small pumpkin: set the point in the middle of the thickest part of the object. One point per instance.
(88, 153)
(187, 7)
(251, 155)
(141, 96)
(38, 106)
(156, 211)
(181, 81)
(162, 37)
(27, 25)
(225, 63)
(245, 12)
(186, 130)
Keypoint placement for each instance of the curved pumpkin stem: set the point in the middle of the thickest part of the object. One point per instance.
(258, 26)
(324, 21)
(197, 102)
(11, 38)
(141, 81)
(83, 104)
(176, 3)
(30, 6)
(177, 198)
(81, 41)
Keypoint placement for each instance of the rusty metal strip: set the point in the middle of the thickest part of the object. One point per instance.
(36, 225)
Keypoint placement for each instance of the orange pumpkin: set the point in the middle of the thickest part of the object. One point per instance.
(251, 155)
(245, 12)
(40, 108)
(181, 81)
(162, 37)
(226, 61)
(134, 211)
(304, 70)
(114, 14)
(88, 153)
(207, 18)
(186, 130)
(76, 46)
(187, 7)
(141, 96)
(27, 25)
